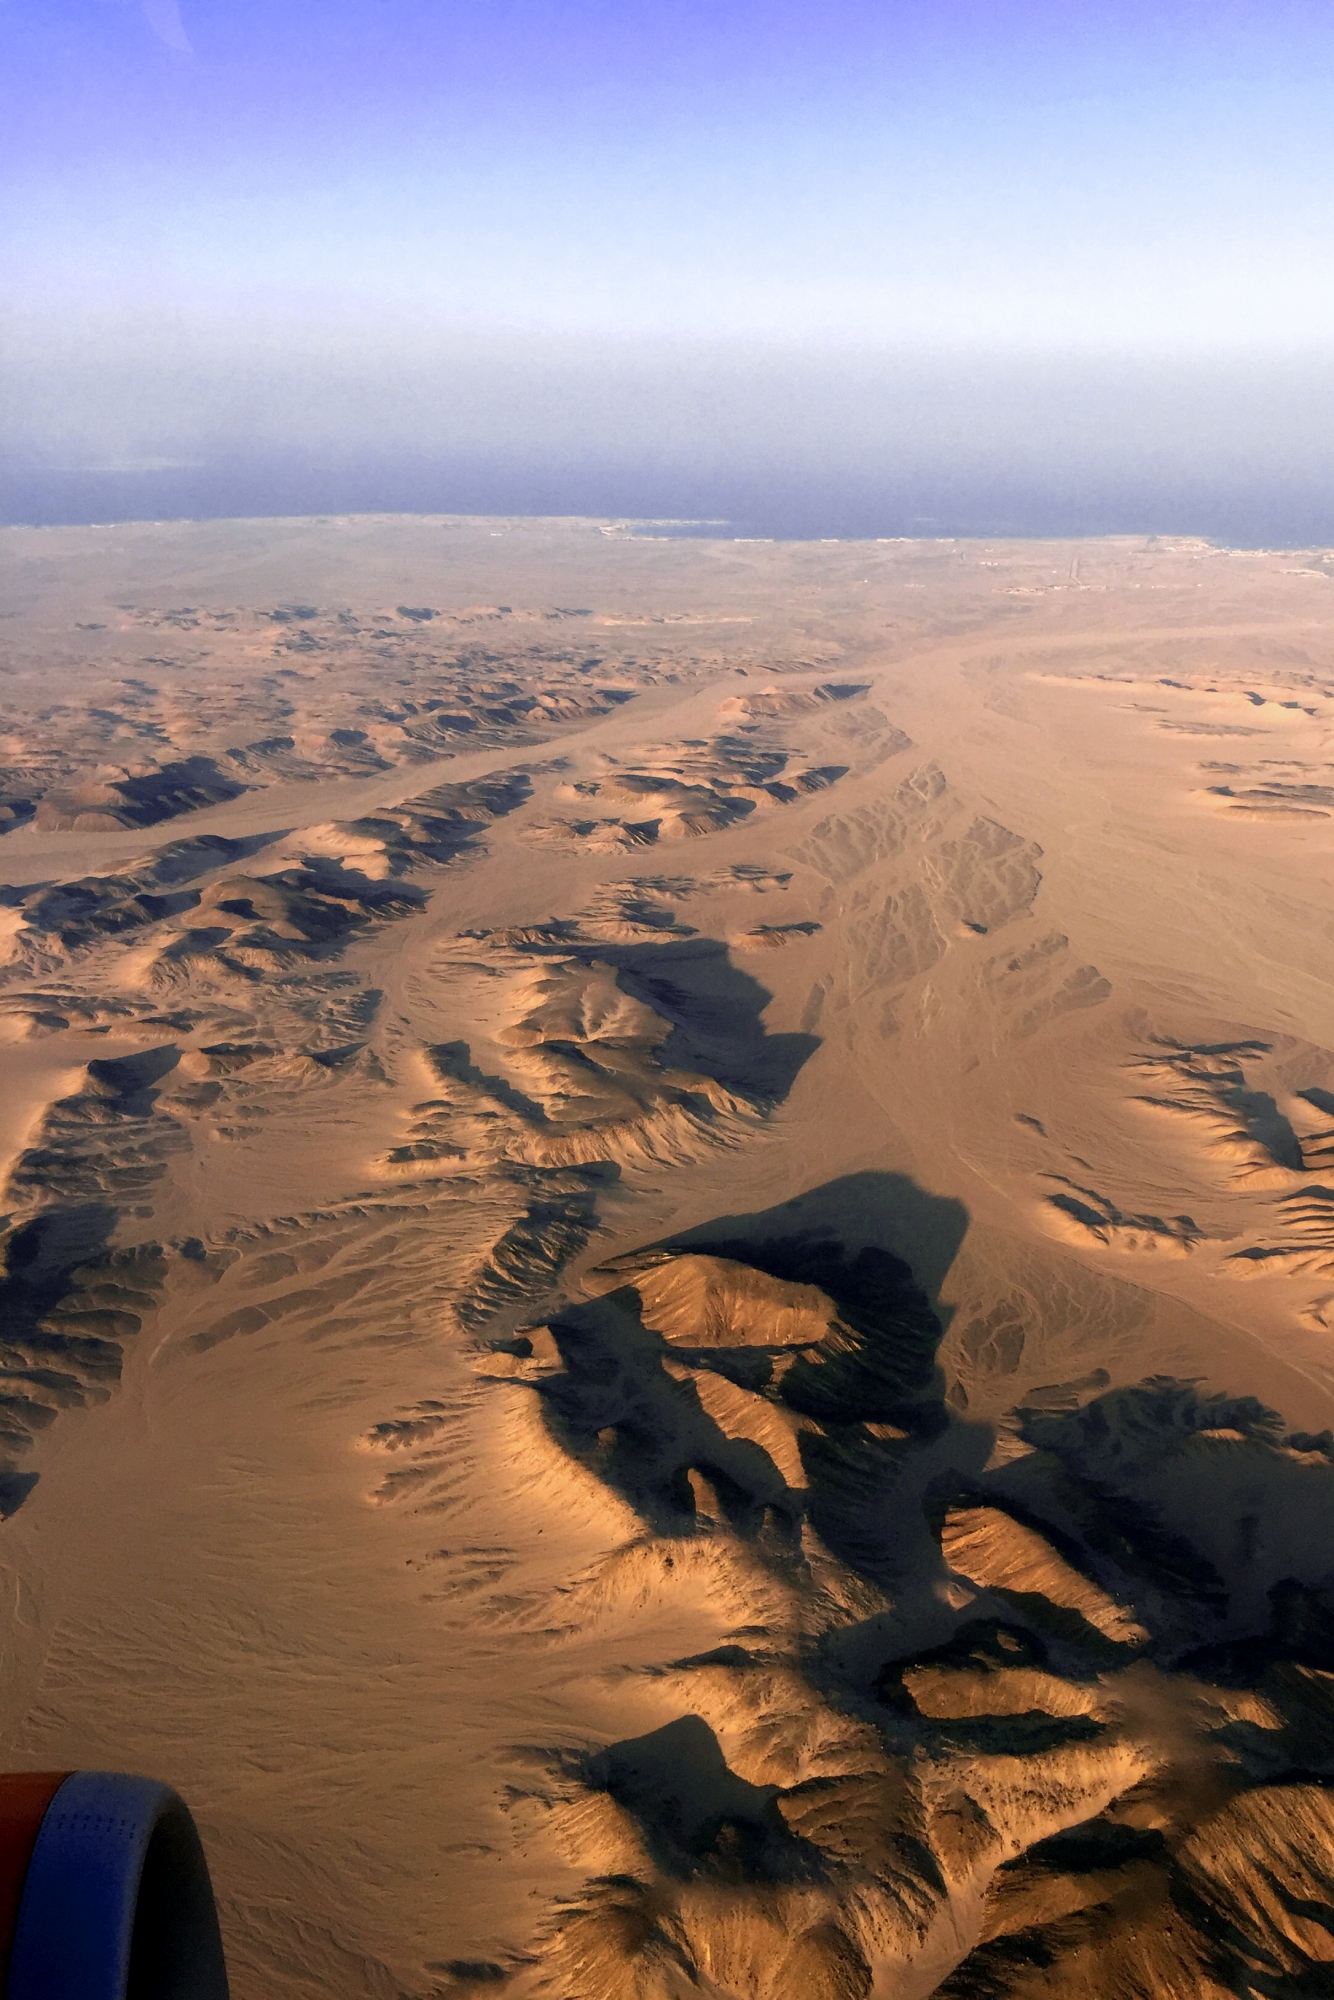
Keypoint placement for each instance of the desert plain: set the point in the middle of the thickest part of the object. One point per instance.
(668, 1222)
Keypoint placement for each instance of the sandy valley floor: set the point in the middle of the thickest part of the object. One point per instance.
(668, 1310)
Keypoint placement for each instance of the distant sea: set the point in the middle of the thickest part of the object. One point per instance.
(780, 503)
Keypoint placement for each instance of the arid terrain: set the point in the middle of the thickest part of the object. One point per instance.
(668, 1305)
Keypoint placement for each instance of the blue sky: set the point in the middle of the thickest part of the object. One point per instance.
(206, 200)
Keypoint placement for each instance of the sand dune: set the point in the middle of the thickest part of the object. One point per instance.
(626, 1166)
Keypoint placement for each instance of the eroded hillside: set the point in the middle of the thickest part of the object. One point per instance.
(669, 1250)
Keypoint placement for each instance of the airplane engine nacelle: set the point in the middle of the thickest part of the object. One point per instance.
(104, 1891)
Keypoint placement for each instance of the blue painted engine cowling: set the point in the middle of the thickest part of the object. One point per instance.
(117, 1902)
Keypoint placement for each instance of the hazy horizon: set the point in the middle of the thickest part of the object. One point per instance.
(766, 441)
(982, 267)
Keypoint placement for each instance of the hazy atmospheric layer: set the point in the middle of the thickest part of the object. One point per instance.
(669, 1250)
(992, 266)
